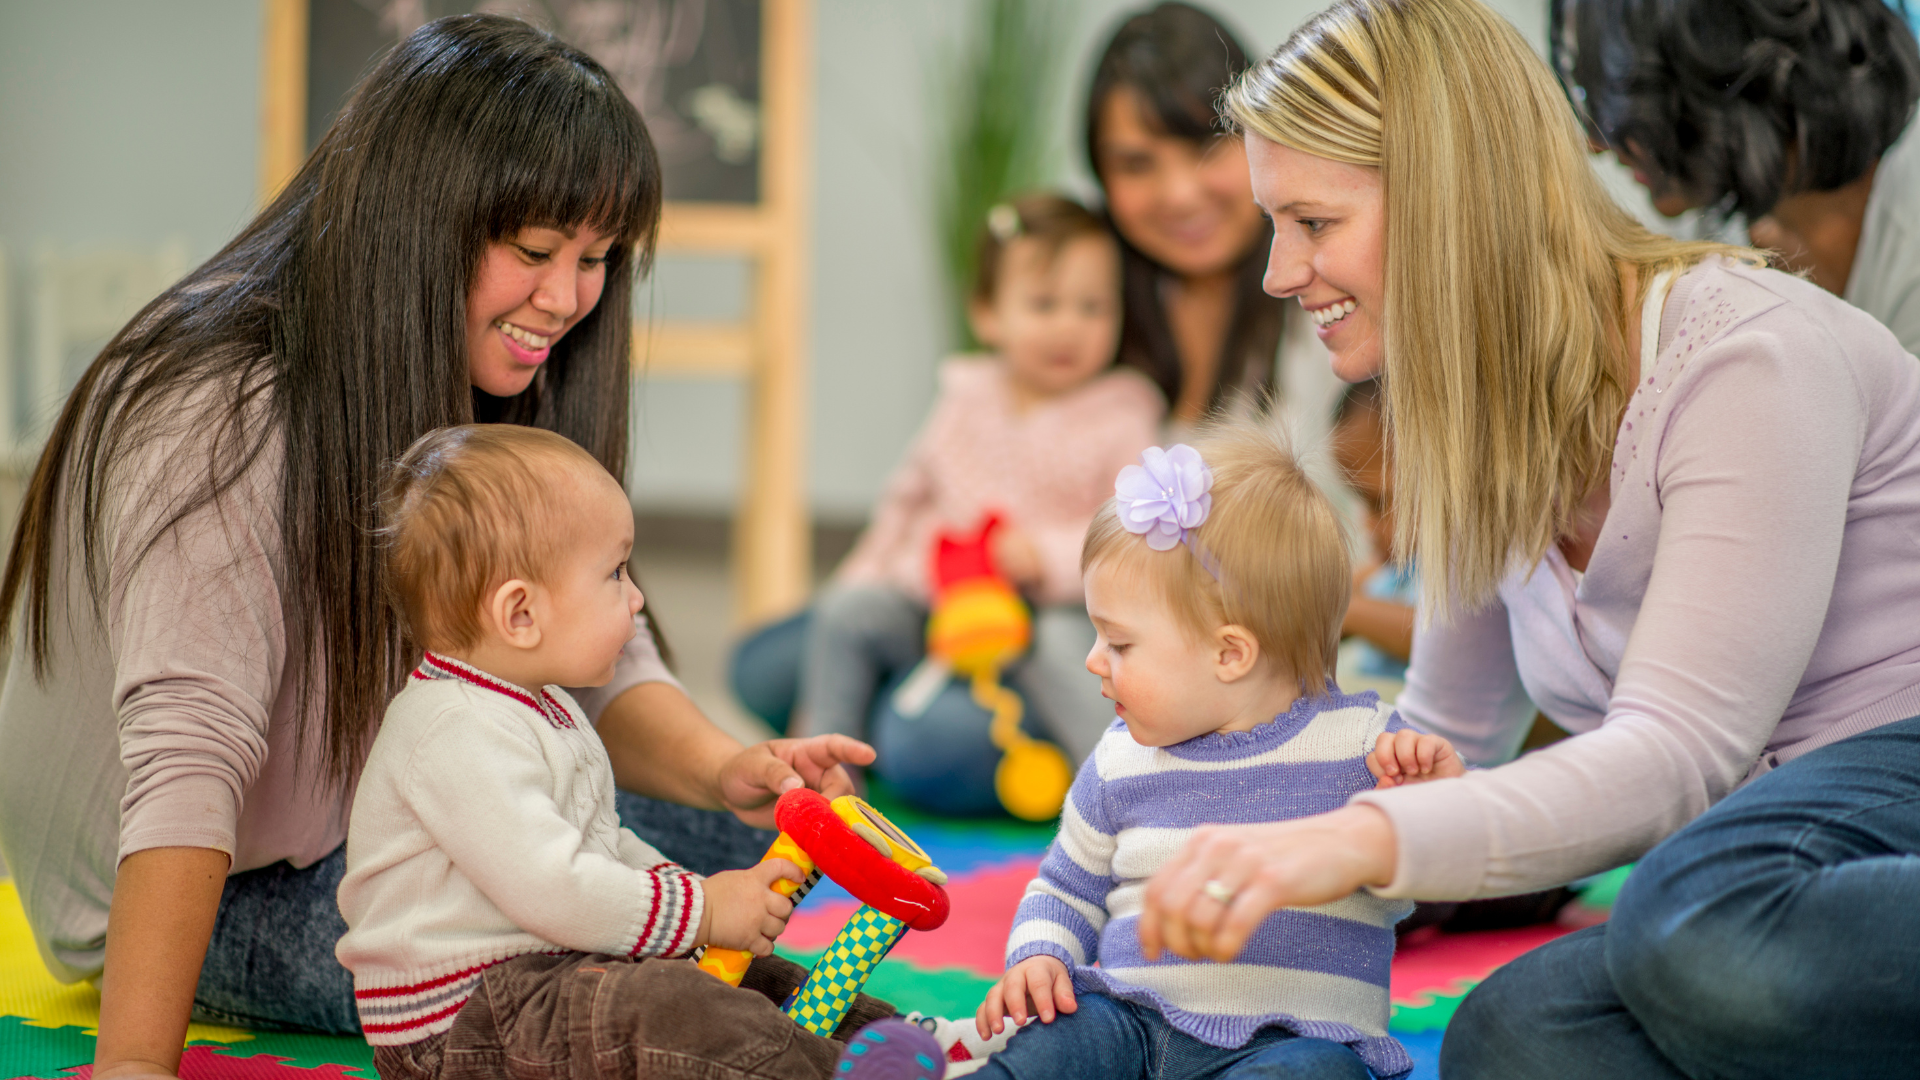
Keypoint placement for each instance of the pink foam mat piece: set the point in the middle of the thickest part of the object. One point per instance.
(974, 937)
(209, 1063)
(1449, 963)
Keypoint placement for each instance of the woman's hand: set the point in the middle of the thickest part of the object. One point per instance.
(1037, 987)
(1260, 869)
(752, 779)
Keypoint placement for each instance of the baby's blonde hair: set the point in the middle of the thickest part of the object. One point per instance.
(465, 509)
(1284, 570)
(1506, 372)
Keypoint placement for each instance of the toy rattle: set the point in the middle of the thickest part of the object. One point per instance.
(896, 883)
(978, 626)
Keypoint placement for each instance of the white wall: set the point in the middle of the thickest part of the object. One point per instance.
(878, 321)
(128, 122)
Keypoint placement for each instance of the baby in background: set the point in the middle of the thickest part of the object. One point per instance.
(1380, 616)
(1216, 579)
(496, 910)
(1033, 433)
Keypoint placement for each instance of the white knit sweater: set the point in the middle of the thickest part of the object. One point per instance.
(483, 829)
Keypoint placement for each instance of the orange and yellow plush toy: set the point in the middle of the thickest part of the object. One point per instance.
(978, 626)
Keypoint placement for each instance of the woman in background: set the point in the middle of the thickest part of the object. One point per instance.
(1193, 242)
(1795, 116)
(200, 638)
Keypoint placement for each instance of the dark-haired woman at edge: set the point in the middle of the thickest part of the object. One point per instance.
(1796, 117)
(200, 639)
(1194, 243)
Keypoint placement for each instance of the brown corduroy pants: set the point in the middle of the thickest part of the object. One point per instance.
(588, 1017)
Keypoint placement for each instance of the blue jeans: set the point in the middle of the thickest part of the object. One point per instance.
(1778, 935)
(270, 965)
(1107, 1038)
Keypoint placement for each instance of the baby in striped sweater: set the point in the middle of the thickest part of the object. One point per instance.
(1217, 579)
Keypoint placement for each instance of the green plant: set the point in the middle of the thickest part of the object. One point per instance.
(994, 110)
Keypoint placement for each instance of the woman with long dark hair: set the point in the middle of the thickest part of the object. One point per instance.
(201, 643)
(1194, 243)
(1793, 115)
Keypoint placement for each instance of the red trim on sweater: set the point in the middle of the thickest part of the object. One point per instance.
(430, 984)
(686, 915)
(419, 1022)
(440, 667)
(653, 917)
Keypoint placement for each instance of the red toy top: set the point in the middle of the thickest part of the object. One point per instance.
(961, 557)
(843, 855)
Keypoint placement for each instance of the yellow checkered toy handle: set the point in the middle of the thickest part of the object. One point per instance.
(843, 969)
(894, 880)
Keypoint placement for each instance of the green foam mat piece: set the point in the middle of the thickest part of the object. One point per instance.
(1003, 827)
(950, 992)
(26, 1050)
(1429, 1015)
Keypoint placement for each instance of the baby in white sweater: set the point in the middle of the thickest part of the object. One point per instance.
(492, 899)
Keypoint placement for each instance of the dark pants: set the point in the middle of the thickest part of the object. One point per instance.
(1106, 1037)
(1778, 935)
(587, 1017)
(270, 965)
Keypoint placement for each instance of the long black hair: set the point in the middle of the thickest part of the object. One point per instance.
(1714, 93)
(332, 331)
(1178, 60)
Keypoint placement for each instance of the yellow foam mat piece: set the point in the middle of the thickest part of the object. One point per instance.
(28, 991)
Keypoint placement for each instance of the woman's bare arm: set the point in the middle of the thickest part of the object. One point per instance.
(662, 745)
(164, 903)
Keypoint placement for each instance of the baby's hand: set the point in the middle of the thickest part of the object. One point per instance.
(743, 911)
(1041, 980)
(1409, 757)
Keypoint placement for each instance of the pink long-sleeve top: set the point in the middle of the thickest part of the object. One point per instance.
(1751, 598)
(1046, 469)
(170, 720)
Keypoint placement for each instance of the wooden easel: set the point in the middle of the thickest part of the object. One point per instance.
(772, 537)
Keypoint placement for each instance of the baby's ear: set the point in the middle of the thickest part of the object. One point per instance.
(510, 615)
(1236, 652)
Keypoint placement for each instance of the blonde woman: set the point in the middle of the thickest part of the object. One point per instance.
(1669, 496)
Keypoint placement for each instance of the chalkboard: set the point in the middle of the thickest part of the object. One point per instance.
(692, 68)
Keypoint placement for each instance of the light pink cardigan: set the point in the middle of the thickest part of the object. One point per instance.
(1046, 470)
(1755, 594)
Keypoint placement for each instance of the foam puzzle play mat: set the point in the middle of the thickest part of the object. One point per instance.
(47, 1030)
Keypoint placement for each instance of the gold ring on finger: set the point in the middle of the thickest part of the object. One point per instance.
(1219, 890)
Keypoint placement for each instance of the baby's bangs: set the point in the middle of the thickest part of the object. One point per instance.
(577, 154)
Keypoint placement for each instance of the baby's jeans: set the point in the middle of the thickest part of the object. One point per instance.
(1106, 1037)
(587, 1017)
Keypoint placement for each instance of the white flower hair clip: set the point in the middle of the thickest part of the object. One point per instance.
(1003, 221)
(1165, 497)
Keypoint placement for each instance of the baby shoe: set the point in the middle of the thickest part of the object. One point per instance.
(891, 1049)
(959, 1040)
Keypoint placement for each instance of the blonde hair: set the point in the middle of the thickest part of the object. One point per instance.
(1505, 329)
(1273, 540)
(465, 509)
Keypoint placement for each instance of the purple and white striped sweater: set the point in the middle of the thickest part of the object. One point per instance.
(1321, 972)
